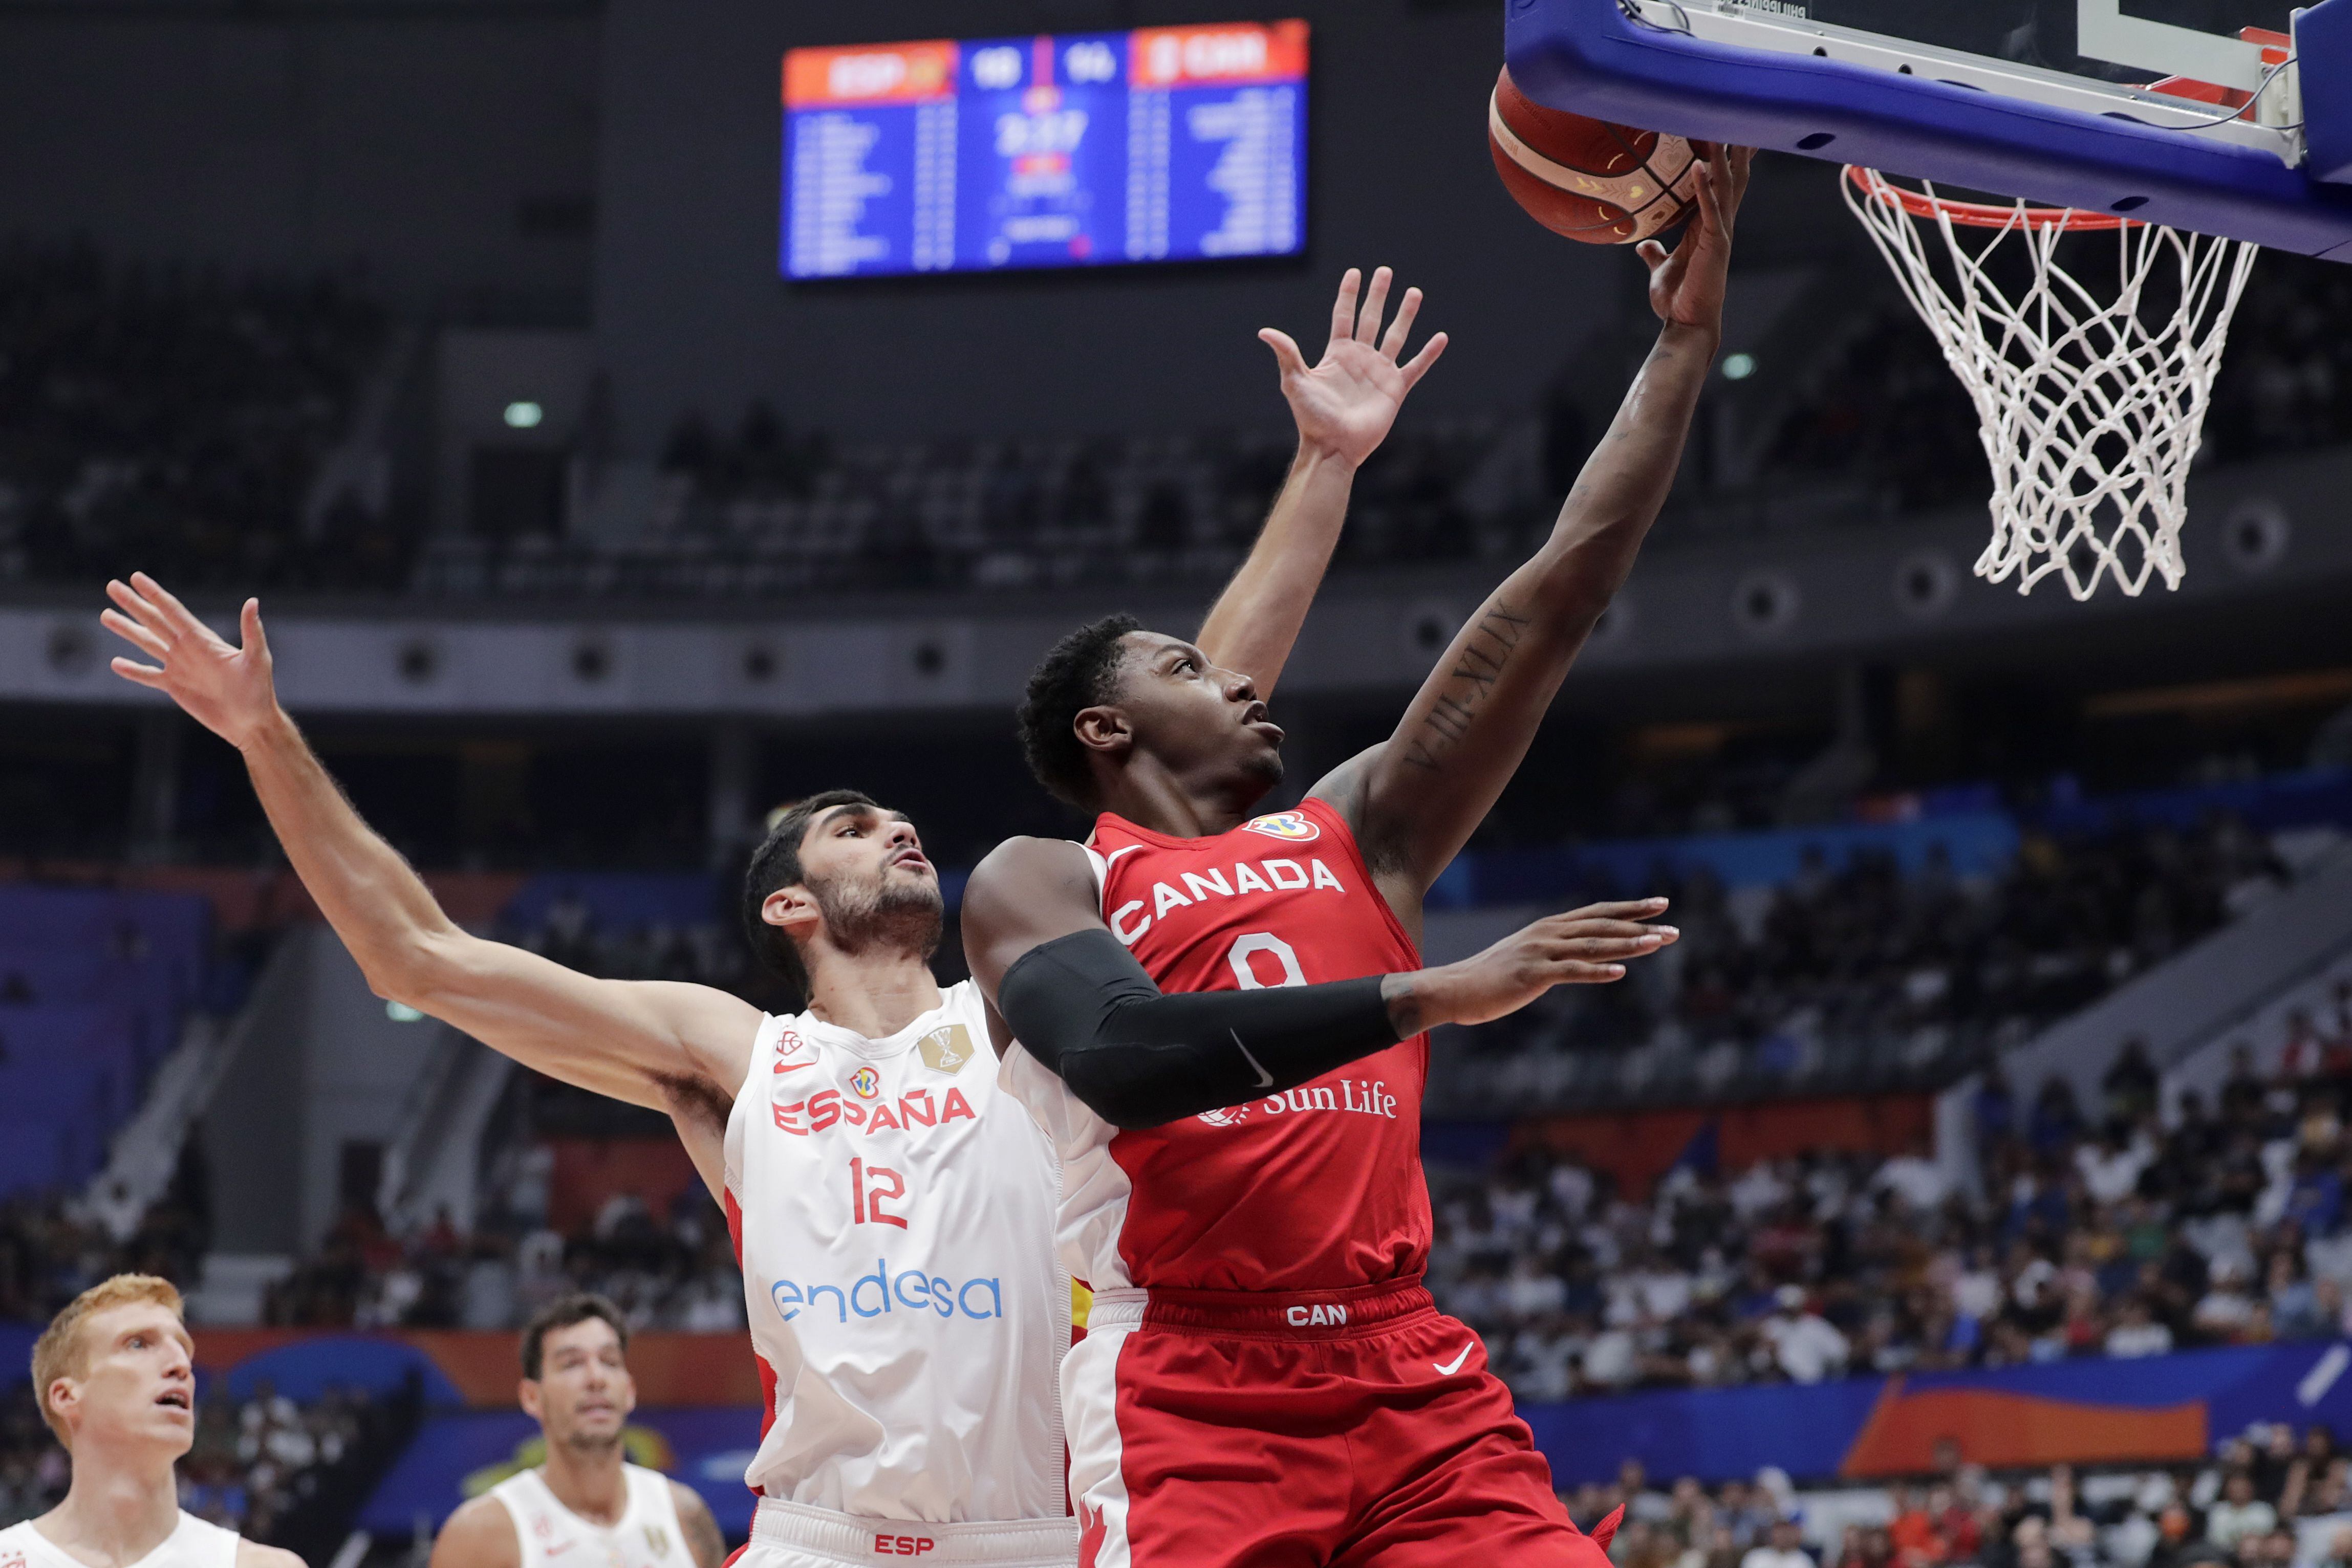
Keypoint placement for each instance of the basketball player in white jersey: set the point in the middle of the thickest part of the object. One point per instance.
(576, 1385)
(115, 1374)
(892, 1214)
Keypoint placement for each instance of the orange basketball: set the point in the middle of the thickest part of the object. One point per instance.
(1586, 178)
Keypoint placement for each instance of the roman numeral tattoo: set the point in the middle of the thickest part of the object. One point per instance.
(1496, 632)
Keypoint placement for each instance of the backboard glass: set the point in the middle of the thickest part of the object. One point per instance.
(2108, 41)
(2047, 99)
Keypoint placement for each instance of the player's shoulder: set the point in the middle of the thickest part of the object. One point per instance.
(481, 1534)
(1018, 867)
(689, 1502)
(254, 1555)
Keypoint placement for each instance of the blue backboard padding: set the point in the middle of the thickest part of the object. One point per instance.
(2322, 37)
(711, 1448)
(1586, 57)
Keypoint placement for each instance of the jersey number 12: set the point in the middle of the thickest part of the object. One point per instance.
(868, 1187)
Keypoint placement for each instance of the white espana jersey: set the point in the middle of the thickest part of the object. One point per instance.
(893, 1212)
(196, 1543)
(646, 1535)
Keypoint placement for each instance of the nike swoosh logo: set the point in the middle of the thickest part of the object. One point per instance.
(1264, 1079)
(1112, 858)
(793, 1066)
(1449, 1369)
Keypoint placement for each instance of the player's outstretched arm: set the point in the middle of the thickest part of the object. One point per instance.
(481, 1534)
(1079, 1002)
(667, 1046)
(1345, 405)
(1415, 800)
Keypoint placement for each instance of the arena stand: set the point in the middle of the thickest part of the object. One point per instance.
(1790, 1211)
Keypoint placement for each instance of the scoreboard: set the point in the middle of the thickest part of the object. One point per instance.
(1068, 149)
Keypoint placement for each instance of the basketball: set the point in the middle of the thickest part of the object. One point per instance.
(1585, 178)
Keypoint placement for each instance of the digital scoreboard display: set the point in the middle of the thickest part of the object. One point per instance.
(1067, 150)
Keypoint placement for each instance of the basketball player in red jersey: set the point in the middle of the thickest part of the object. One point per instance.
(1221, 1023)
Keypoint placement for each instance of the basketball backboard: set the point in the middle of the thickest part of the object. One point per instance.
(2101, 41)
(2119, 106)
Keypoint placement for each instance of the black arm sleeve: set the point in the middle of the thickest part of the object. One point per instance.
(1084, 1007)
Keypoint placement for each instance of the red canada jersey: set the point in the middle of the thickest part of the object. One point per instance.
(1318, 1188)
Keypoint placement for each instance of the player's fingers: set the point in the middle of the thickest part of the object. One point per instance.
(1602, 950)
(1286, 352)
(177, 617)
(136, 634)
(131, 669)
(1716, 199)
(1616, 931)
(1621, 909)
(1343, 310)
(248, 622)
(1400, 330)
(1581, 974)
(1653, 254)
(1376, 304)
(127, 599)
(1418, 366)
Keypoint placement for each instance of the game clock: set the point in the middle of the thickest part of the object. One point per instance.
(1069, 150)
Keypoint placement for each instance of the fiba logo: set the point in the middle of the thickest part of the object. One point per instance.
(1230, 1117)
(866, 1083)
(1291, 827)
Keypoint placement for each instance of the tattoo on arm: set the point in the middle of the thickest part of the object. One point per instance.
(702, 1537)
(1499, 630)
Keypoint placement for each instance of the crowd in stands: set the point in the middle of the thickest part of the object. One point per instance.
(1858, 976)
(669, 1268)
(767, 511)
(2111, 1231)
(52, 1248)
(176, 418)
(2272, 1498)
(184, 417)
(1883, 406)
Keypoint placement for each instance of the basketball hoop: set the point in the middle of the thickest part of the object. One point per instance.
(2091, 409)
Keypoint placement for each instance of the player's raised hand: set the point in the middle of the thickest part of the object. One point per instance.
(1588, 946)
(228, 690)
(1346, 402)
(1686, 286)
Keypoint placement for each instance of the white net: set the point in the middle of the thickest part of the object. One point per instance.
(2092, 407)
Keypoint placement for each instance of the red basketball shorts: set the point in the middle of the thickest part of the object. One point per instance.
(1354, 1430)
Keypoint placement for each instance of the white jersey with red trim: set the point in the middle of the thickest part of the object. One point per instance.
(193, 1543)
(646, 1535)
(893, 1211)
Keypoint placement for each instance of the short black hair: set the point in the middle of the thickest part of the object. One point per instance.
(562, 1313)
(1077, 673)
(776, 863)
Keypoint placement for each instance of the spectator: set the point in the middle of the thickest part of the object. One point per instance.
(1785, 1548)
(1804, 1344)
(2131, 1084)
(2240, 1515)
(2137, 1334)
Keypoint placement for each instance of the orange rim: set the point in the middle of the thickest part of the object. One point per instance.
(1983, 214)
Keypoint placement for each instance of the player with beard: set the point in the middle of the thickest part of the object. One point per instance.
(115, 1377)
(1221, 1020)
(892, 1211)
(576, 1385)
